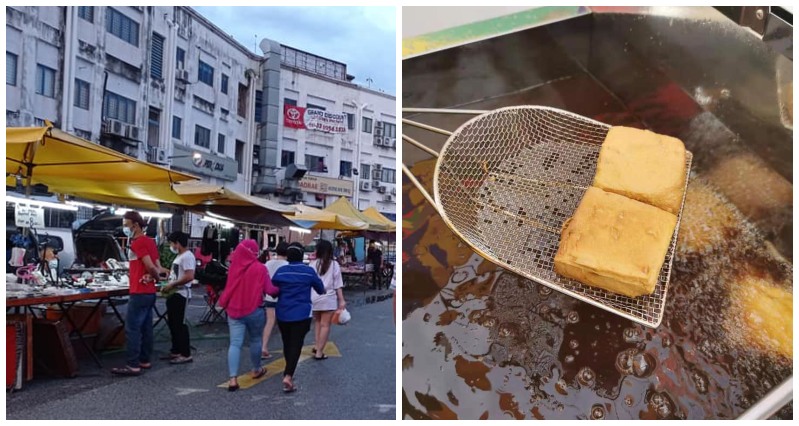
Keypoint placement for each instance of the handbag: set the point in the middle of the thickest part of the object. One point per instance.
(342, 317)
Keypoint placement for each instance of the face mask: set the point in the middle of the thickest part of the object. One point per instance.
(54, 264)
(128, 232)
(173, 249)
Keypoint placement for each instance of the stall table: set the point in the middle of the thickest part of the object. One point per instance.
(66, 302)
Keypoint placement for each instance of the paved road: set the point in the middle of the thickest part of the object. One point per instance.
(358, 385)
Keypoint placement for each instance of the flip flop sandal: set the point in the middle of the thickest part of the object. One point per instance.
(320, 358)
(181, 360)
(265, 356)
(260, 374)
(145, 365)
(232, 388)
(125, 371)
(289, 389)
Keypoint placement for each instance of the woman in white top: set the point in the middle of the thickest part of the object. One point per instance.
(333, 299)
(272, 265)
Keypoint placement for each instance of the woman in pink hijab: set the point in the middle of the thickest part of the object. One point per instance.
(247, 282)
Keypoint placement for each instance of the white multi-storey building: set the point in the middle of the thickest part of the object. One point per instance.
(166, 85)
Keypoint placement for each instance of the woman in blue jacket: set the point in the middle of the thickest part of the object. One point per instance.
(293, 310)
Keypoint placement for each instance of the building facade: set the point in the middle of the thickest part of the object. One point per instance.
(166, 85)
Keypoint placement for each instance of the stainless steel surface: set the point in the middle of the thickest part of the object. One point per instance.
(506, 181)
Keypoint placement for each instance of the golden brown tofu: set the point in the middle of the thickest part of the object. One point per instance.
(644, 166)
(767, 315)
(756, 189)
(615, 243)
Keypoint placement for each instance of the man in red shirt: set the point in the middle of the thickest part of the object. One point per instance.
(144, 270)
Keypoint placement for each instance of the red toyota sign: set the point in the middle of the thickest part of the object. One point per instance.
(294, 117)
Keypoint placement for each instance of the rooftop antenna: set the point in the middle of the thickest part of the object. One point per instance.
(369, 82)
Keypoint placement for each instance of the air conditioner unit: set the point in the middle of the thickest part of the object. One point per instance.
(381, 189)
(379, 128)
(182, 75)
(378, 141)
(388, 198)
(161, 157)
(366, 186)
(378, 167)
(114, 127)
(132, 132)
(392, 142)
(377, 174)
(376, 183)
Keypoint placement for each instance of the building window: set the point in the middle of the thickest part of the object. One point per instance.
(45, 81)
(180, 59)
(86, 12)
(289, 101)
(240, 155)
(205, 73)
(286, 158)
(220, 143)
(82, 93)
(177, 124)
(389, 175)
(367, 125)
(11, 69)
(119, 108)
(258, 110)
(312, 106)
(350, 121)
(224, 83)
(157, 57)
(345, 168)
(224, 112)
(366, 171)
(85, 134)
(121, 26)
(315, 164)
(242, 110)
(389, 130)
(202, 136)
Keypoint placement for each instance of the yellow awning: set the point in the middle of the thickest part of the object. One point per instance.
(203, 197)
(343, 207)
(375, 215)
(326, 219)
(70, 165)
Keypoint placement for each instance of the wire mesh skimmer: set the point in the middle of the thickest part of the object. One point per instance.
(506, 181)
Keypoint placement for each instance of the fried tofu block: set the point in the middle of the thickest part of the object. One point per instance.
(756, 189)
(615, 243)
(644, 166)
(767, 315)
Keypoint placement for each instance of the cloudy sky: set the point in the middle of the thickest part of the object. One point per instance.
(361, 37)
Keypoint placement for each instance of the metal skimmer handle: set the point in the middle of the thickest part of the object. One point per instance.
(425, 148)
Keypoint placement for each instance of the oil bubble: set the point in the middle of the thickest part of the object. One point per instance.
(597, 412)
(586, 377)
(573, 343)
(573, 317)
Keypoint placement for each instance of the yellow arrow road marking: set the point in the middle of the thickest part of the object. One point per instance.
(277, 366)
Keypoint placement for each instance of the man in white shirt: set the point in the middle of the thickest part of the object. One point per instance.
(178, 293)
(272, 265)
